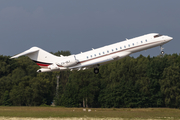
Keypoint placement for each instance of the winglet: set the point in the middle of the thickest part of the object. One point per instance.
(31, 50)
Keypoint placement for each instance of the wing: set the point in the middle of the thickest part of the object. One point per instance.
(120, 55)
(99, 61)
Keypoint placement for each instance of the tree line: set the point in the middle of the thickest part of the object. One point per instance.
(126, 83)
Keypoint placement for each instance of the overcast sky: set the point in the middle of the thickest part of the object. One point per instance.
(79, 25)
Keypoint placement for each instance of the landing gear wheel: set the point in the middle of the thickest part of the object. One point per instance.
(162, 52)
(96, 70)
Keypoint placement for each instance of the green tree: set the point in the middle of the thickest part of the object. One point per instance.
(170, 86)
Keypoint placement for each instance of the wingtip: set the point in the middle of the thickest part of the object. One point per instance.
(15, 56)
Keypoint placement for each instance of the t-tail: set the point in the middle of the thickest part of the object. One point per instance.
(45, 60)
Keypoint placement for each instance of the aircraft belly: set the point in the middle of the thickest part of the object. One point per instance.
(97, 61)
(93, 62)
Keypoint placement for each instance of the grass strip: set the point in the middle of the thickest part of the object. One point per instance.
(104, 113)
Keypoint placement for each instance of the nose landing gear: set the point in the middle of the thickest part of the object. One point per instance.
(162, 52)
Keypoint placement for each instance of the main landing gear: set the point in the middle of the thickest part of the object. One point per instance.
(96, 70)
(162, 52)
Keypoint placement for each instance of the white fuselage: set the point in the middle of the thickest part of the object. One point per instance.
(119, 50)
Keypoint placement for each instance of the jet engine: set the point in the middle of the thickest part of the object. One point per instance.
(68, 61)
(50, 68)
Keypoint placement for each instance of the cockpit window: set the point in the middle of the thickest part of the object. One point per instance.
(157, 36)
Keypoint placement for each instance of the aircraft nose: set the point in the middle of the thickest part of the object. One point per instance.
(169, 38)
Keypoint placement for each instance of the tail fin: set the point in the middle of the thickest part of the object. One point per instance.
(40, 56)
(27, 52)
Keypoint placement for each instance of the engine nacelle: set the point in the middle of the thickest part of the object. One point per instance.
(68, 62)
(44, 70)
(50, 68)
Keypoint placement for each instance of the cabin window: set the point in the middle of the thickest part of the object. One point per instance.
(116, 49)
(141, 41)
(124, 46)
(99, 53)
(87, 57)
(120, 47)
(108, 51)
(103, 52)
(146, 40)
(133, 44)
(112, 50)
(129, 45)
(91, 55)
(95, 55)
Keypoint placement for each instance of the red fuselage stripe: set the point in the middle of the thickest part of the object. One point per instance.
(42, 64)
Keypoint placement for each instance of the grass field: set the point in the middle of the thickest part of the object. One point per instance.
(56, 113)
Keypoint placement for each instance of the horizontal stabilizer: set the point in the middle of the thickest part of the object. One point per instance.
(31, 50)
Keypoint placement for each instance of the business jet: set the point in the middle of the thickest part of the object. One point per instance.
(95, 57)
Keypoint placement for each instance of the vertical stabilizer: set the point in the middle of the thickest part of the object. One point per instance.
(40, 56)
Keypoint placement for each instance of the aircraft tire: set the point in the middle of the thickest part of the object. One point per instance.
(162, 52)
(96, 70)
